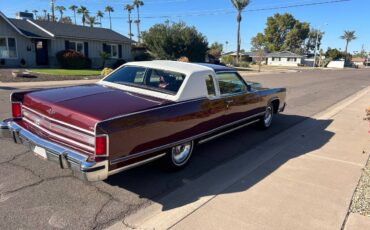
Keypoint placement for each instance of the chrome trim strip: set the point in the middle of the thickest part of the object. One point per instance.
(226, 132)
(60, 122)
(139, 154)
(59, 137)
(59, 126)
(135, 164)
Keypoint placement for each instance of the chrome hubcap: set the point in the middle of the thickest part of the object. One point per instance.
(268, 116)
(181, 153)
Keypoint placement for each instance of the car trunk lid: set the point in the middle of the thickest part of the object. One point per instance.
(84, 106)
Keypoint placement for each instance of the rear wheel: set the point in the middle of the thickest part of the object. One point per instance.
(266, 119)
(178, 156)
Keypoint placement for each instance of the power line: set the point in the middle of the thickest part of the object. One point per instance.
(230, 11)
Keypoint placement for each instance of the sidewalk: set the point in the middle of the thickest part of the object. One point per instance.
(303, 178)
(20, 85)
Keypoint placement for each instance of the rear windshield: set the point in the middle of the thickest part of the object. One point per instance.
(152, 79)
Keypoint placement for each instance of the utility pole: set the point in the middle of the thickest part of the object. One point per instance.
(317, 40)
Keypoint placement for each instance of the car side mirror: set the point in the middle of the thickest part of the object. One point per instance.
(249, 87)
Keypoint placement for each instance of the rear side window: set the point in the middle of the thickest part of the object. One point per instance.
(152, 79)
(210, 85)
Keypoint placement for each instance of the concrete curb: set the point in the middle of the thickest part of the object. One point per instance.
(192, 196)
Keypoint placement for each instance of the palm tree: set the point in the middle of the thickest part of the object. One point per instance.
(45, 14)
(138, 4)
(74, 9)
(35, 13)
(84, 12)
(52, 10)
(100, 15)
(129, 8)
(239, 5)
(109, 9)
(348, 36)
(91, 20)
(61, 10)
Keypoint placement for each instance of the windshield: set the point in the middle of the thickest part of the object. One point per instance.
(152, 79)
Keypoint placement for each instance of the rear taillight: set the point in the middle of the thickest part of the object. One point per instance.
(101, 145)
(17, 109)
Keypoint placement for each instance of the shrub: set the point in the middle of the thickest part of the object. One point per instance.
(106, 71)
(242, 64)
(228, 59)
(143, 57)
(118, 63)
(23, 62)
(70, 59)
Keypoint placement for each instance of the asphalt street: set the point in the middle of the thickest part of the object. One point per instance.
(35, 194)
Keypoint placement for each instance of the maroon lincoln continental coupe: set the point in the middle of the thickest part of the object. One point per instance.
(140, 112)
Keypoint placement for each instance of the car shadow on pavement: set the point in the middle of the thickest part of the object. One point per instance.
(152, 182)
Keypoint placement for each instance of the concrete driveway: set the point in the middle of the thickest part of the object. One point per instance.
(38, 195)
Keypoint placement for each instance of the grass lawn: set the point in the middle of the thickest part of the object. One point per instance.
(66, 72)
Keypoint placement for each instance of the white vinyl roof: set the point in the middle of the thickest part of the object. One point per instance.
(174, 66)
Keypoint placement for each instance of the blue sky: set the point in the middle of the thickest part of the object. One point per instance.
(217, 20)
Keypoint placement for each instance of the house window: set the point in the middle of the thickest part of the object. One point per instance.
(77, 46)
(292, 59)
(112, 49)
(276, 59)
(8, 47)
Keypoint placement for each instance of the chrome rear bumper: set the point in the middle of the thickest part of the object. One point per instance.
(66, 158)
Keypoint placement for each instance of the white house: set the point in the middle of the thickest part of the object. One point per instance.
(284, 58)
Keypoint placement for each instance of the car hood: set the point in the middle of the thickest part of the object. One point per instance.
(84, 106)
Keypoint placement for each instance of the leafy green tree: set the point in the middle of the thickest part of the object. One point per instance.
(258, 42)
(138, 4)
(239, 5)
(311, 40)
(284, 32)
(334, 54)
(216, 49)
(109, 10)
(259, 46)
(348, 36)
(74, 8)
(174, 40)
(294, 41)
(66, 20)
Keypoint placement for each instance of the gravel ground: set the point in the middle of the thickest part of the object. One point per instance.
(6, 76)
(361, 198)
